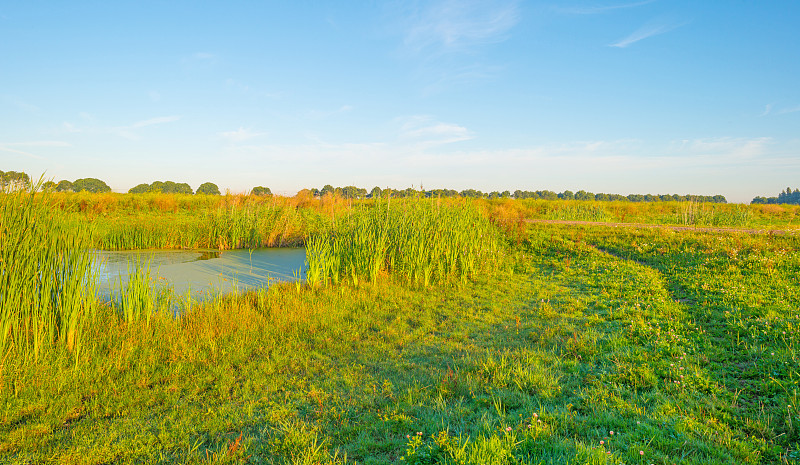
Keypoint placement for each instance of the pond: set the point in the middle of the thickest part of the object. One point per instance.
(204, 273)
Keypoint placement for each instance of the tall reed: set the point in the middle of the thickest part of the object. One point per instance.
(422, 241)
(46, 281)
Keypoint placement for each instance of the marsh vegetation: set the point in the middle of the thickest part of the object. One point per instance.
(427, 331)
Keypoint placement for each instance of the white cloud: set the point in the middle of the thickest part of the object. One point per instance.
(240, 135)
(320, 114)
(153, 121)
(789, 110)
(648, 30)
(20, 104)
(458, 26)
(590, 10)
(20, 152)
(250, 90)
(127, 132)
(451, 40)
(40, 143)
(425, 132)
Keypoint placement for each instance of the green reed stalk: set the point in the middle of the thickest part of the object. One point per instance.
(46, 281)
(417, 240)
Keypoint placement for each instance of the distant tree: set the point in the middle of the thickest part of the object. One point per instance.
(350, 192)
(14, 180)
(261, 191)
(139, 189)
(567, 195)
(178, 188)
(164, 187)
(601, 197)
(472, 193)
(48, 186)
(208, 188)
(64, 186)
(92, 185)
(375, 193)
(327, 189)
(315, 192)
(788, 196)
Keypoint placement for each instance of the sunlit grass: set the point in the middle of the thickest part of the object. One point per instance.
(422, 241)
(46, 287)
(564, 344)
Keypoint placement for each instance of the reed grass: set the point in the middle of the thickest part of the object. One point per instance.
(140, 297)
(420, 241)
(46, 284)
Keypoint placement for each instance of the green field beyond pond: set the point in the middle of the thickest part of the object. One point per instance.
(426, 332)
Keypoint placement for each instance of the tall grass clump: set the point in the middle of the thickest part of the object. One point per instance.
(418, 240)
(698, 214)
(139, 297)
(585, 211)
(46, 280)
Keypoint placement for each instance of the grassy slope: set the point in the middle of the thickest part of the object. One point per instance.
(594, 333)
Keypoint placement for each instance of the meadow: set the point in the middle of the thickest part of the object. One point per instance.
(428, 331)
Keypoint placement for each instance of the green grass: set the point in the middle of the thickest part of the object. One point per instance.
(683, 345)
(421, 241)
(46, 287)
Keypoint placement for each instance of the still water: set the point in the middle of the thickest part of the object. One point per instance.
(202, 272)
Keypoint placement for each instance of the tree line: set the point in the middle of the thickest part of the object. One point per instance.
(353, 192)
(171, 187)
(14, 179)
(788, 196)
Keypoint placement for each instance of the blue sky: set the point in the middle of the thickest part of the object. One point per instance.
(615, 96)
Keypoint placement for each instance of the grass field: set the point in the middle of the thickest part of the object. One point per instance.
(574, 345)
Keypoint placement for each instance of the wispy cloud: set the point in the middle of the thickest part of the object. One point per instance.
(240, 135)
(39, 143)
(459, 26)
(451, 40)
(424, 131)
(736, 167)
(592, 10)
(789, 110)
(250, 90)
(20, 104)
(731, 148)
(770, 110)
(20, 152)
(648, 30)
(153, 121)
(127, 131)
(321, 114)
(198, 60)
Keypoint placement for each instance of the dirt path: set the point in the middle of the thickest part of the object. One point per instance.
(668, 226)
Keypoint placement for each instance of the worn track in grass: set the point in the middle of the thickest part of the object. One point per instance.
(668, 226)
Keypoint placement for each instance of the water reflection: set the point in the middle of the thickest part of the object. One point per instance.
(201, 272)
